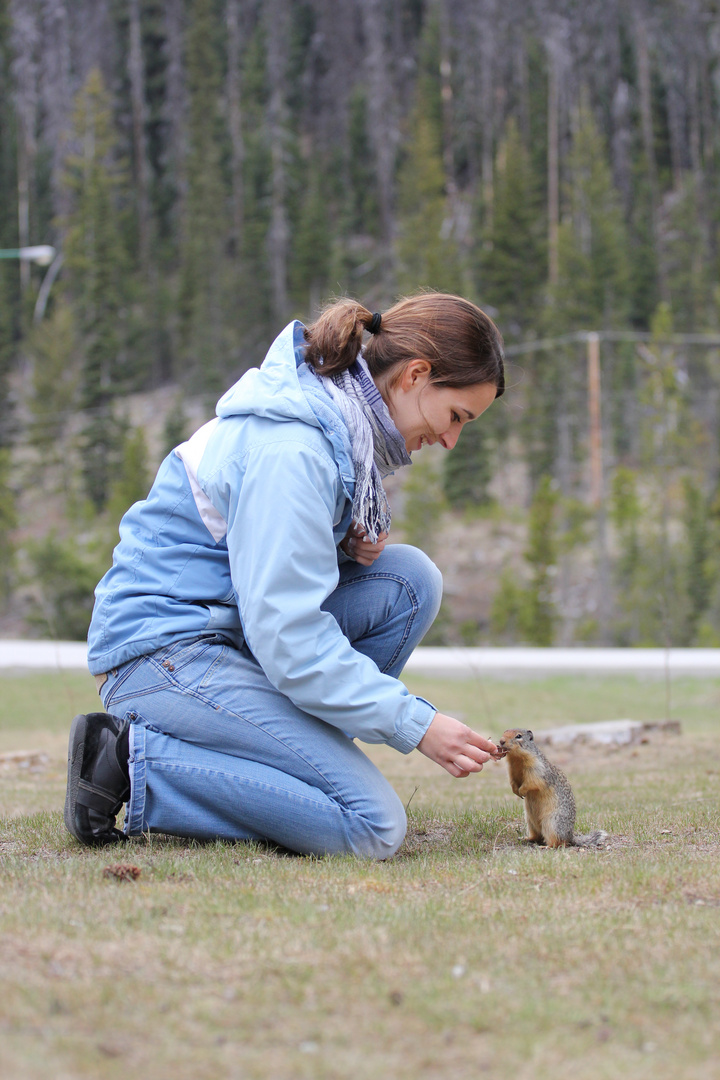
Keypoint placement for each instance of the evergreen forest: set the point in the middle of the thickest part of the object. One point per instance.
(207, 170)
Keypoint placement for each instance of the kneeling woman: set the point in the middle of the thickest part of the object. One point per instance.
(254, 623)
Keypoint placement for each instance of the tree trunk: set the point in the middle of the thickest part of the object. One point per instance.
(56, 97)
(136, 72)
(553, 165)
(446, 95)
(643, 67)
(277, 15)
(235, 121)
(176, 100)
(25, 38)
(676, 127)
(487, 97)
(380, 111)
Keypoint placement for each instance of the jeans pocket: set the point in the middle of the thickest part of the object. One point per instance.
(192, 666)
(216, 664)
(116, 688)
(179, 653)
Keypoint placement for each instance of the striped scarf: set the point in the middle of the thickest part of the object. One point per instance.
(378, 448)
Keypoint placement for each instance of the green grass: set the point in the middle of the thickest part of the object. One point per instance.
(467, 955)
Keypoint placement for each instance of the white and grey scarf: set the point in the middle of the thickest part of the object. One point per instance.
(378, 448)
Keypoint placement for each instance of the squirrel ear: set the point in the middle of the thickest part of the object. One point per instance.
(530, 735)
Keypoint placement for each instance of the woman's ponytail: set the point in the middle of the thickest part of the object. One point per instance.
(462, 344)
(335, 338)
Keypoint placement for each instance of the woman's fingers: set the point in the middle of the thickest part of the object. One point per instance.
(485, 746)
(455, 746)
(467, 765)
(455, 770)
(360, 548)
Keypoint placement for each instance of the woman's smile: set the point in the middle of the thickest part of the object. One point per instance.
(426, 414)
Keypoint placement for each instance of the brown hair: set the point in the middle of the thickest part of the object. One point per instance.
(462, 344)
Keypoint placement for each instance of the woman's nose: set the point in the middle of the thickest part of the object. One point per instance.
(449, 439)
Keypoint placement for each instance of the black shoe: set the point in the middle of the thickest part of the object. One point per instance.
(98, 778)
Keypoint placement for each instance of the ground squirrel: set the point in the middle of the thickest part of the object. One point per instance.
(549, 801)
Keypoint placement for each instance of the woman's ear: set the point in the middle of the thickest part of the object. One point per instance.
(415, 374)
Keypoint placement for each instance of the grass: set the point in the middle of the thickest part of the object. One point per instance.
(467, 955)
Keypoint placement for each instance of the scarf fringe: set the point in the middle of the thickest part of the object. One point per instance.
(377, 446)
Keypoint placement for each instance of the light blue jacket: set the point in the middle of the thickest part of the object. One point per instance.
(239, 536)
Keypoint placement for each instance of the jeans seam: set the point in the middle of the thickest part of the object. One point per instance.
(404, 583)
(239, 716)
(208, 674)
(177, 766)
(112, 691)
(161, 671)
(138, 781)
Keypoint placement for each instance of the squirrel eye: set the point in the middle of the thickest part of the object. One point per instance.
(519, 735)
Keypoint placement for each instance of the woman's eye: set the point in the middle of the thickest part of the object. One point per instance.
(455, 418)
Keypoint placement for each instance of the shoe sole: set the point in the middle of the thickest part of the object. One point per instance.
(76, 750)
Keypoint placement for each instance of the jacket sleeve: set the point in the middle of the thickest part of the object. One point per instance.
(284, 565)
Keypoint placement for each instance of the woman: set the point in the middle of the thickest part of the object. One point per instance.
(254, 624)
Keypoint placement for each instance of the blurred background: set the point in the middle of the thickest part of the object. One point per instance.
(206, 170)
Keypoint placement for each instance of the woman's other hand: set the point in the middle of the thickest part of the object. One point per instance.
(359, 548)
(455, 746)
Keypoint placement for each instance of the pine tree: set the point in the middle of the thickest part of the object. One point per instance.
(626, 515)
(427, 254)
(427, 257)
(53, 348)
(65, 575)
(513, 256)
(312, 249)
(207, 222)
(538, 615)
(593, 275)
(687, 274)
(175, 429)
(10, 300)
(96, 260)
(699, 569)
(422, 505)
(253, 297)
(8, 524)
(133, 477)
(468, 468)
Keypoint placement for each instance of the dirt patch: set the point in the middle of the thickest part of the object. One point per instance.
(421, 838)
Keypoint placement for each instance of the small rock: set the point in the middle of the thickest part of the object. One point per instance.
(607, 732)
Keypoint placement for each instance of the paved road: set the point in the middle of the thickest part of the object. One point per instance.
(444, 663)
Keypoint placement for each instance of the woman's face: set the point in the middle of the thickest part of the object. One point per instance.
(425, 414)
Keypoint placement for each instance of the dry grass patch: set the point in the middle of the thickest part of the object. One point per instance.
(466, 955)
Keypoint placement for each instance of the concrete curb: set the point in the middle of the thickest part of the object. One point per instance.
(443, 663)
(498, 662)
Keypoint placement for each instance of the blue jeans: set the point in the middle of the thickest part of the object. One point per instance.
(217, 752)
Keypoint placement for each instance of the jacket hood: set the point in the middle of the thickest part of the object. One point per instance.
(273, 390)
(285, 389)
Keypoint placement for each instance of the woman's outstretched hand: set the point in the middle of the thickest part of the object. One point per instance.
(455, 746)
(359, 548)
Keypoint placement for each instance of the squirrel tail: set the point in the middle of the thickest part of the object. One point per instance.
(593, 839)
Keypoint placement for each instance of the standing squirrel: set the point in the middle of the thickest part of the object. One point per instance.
(549, 801)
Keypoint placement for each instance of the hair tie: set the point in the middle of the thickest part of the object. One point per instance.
(375, 323)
